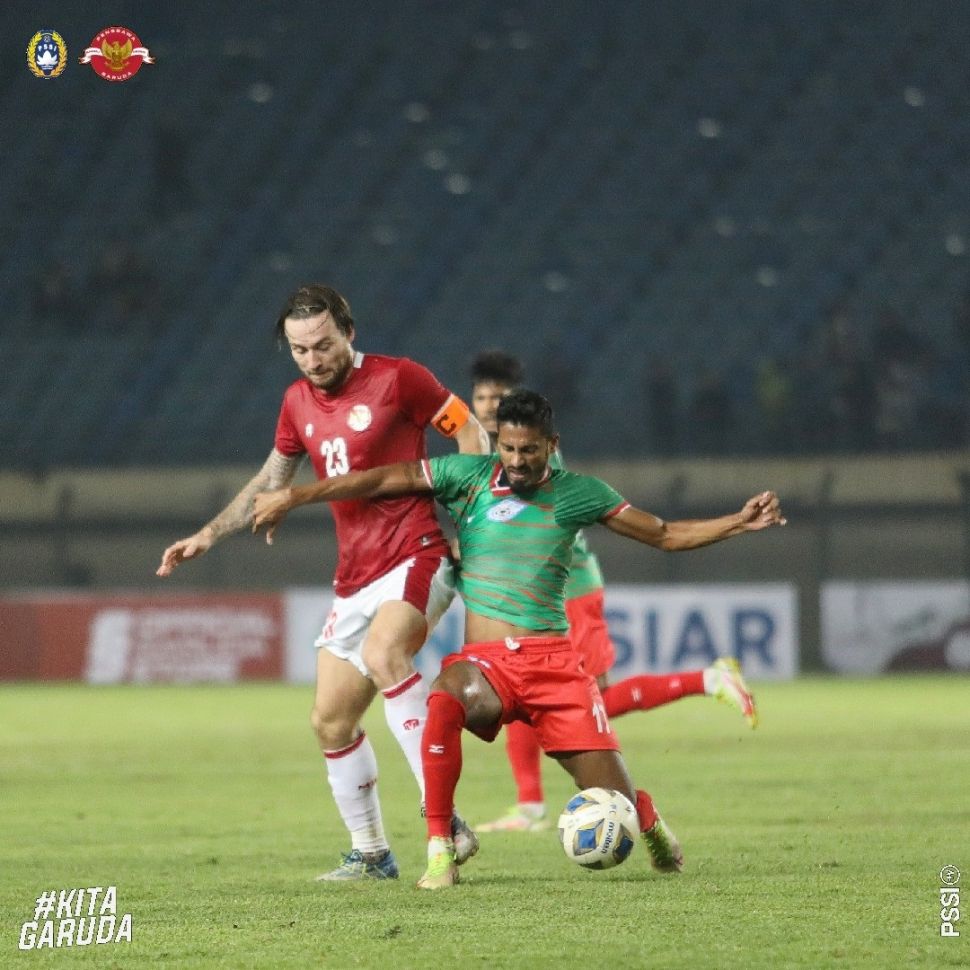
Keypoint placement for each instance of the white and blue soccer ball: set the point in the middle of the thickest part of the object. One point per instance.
(598, 828)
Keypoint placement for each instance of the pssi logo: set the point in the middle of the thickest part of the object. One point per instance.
(46, 54)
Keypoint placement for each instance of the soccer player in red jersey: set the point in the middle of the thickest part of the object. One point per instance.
(394, 578)
(494, 373)
(517, 517)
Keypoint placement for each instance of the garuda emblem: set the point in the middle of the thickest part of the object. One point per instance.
(116, 54)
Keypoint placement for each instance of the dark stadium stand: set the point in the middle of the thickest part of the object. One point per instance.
(769, 198)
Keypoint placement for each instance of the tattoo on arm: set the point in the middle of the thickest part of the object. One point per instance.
(281, 468)
(277, 472)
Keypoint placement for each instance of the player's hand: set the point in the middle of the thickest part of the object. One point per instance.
(269, 510)
(190, 548)
(762, 511)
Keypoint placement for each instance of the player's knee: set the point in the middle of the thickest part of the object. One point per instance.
(470, 696)
(452, 689)
(470, 689)
(332, 732)
(388, 664)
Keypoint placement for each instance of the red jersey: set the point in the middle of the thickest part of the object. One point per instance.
(378, 416)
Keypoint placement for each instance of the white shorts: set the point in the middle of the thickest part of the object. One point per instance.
(426, 582)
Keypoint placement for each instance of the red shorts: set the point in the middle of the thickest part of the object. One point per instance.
(541, 680)
(589, 633)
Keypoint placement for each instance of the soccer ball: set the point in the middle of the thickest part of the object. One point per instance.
(598, 828)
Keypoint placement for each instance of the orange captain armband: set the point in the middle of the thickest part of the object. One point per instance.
(452, 417)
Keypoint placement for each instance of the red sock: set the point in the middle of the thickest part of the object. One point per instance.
(441, 760)
(650, 690)
(524, 752)
(646, 812)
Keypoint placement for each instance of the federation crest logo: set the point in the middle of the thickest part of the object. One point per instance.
(506, 509)
(46, 54)
(359, 417)
(116, 54)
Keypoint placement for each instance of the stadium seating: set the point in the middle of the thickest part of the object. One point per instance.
(595, 188)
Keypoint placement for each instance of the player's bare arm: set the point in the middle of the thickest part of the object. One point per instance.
(759, 512)
(277, 472)
(385, 481)
(473, 439)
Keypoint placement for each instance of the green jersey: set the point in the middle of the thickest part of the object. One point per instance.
(516, 548)
(584, 572)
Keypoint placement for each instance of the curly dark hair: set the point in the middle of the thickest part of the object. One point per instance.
(496, 366)
(527, 408)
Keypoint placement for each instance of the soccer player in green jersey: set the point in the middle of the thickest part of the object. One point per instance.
(493, 374)
(517, 519)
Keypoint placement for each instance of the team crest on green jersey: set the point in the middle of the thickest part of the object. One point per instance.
(506, 509)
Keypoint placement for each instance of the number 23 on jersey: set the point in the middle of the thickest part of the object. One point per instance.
(334, 451)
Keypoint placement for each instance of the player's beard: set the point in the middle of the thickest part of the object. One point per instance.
(526, 484)
(334, 378)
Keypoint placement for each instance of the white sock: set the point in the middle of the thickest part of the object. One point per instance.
(352, 773)
(406, 710)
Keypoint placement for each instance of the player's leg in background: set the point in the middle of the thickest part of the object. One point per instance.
(606, 769)
(590, 636)
(646, 691)
(342, 696)
(722, 680)
(589, 633)
(460, 697)
(525, 756)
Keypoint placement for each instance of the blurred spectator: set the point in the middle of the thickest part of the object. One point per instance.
(893, 341)
(774, 395)
(661, 407)
(961, 331)
(852, 406)
(956, 372)
(898, 395)
(941, 417)
(838, 390)
(901, 361)
(710, 416)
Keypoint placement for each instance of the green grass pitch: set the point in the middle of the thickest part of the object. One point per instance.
(815, 841)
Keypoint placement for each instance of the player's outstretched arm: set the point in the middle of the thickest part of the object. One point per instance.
(759, 512)
(277, 471)
(385, 481)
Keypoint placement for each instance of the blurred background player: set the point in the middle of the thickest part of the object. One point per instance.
(517, 518)
(493, 374)
(394, 578)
